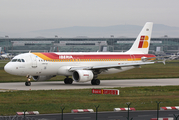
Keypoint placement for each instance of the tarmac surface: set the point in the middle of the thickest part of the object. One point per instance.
(59, 85)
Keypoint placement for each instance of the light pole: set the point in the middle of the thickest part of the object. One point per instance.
(24, 113)
(99, 46)
(176, 117)
(158, 108)
(128, 104)
(62, 108)
(112, 36)
(96, 111)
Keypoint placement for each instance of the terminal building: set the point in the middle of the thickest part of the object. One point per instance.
(158, 46)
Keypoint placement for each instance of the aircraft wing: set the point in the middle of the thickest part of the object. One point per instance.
(109, 66)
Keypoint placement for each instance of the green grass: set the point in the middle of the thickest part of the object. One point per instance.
(142, 98)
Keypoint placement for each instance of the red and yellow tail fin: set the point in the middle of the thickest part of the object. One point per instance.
(142, 42)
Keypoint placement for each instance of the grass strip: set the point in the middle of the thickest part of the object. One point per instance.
(50, 101)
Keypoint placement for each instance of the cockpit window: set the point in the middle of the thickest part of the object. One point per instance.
(17, 60)
(13, 60)
(22, 60)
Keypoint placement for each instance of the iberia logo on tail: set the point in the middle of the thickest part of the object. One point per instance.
(143, 43)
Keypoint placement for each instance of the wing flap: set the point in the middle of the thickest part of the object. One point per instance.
(121, 65)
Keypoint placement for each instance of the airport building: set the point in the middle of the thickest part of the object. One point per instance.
(158, 46)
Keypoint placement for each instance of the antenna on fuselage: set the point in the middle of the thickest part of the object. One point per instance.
(30, 51)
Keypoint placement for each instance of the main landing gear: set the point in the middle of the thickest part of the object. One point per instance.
(68, 80)
(95, 81)
(28, 83)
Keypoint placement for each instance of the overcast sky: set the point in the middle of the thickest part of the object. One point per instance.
(31, 15)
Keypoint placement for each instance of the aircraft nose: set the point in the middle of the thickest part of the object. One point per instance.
(8, 68)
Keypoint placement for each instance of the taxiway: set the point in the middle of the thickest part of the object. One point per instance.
(59, 85)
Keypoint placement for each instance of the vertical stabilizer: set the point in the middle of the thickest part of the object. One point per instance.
(142, 42)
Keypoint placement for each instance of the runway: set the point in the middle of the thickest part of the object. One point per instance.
(59, 85)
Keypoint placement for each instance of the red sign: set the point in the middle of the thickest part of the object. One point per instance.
(105, 91)
(96, 91)
(112, 91)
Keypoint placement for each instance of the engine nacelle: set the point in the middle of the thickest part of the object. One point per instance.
(42, 78)
(82, 75)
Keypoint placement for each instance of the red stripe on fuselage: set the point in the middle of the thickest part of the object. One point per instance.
(51, 55)
(97, 56)
(117, 56)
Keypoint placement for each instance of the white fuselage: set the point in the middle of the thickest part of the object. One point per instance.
(35, 64)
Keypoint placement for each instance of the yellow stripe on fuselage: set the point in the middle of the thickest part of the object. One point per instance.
(42, 56)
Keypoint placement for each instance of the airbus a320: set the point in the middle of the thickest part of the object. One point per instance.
(82, 66)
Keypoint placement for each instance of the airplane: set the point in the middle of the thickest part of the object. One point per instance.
(6, 56)
(82, 66)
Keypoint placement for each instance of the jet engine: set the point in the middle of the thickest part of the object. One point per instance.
(42, 78)
(82, 75)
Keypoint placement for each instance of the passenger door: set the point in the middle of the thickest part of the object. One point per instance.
(34, 61)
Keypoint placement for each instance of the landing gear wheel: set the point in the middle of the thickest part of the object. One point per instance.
(28, 83)
(95, 82)
(68, 80)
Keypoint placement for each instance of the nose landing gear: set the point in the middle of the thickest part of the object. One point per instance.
(28, 83)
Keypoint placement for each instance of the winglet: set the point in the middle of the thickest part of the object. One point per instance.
(163, 61)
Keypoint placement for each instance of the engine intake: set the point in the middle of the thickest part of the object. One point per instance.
(82, 75)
